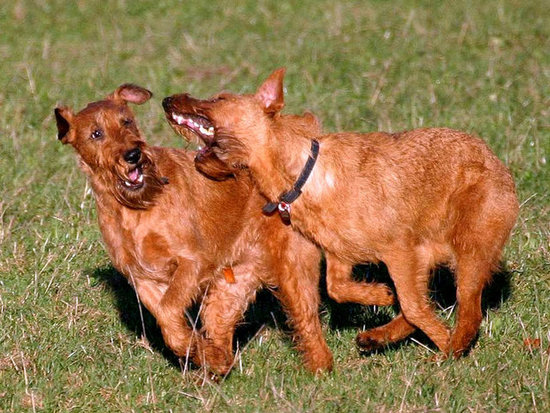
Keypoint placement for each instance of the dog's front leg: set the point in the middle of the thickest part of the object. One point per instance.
(342, 288)
(183, 287)
(299, 294)
(176, 332)
(223, 308)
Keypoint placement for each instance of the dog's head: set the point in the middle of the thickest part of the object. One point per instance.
(110, 147)
(229, 128)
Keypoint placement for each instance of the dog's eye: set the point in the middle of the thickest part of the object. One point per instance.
(97, 134)
(127, 122)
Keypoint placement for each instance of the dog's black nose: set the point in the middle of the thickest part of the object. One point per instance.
(133, 155)
(166, 102)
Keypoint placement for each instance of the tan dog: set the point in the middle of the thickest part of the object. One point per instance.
(413, 200)
(172, 232)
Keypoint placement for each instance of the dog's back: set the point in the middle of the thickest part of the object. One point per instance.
(411, 182)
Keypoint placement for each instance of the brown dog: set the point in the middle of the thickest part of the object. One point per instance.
(172, 232)
(413, 200)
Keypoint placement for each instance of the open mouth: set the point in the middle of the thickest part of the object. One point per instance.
(135, 179)
(197, 124)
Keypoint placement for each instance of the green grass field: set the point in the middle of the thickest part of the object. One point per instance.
(71, 337)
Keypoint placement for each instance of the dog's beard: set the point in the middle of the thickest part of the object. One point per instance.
(141, 198)
(113, 180)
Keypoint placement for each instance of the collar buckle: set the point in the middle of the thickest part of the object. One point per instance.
(284, 212)
(287, 198)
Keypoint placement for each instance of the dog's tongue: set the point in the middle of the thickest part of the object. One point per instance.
(134, 175)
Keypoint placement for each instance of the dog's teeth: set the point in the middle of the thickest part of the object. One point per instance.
(208, 132)
(179, 119)
(128, 184)
(140, 179)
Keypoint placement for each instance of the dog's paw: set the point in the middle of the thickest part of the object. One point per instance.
(319, 362)
(387, 297)
(438, 357)
(218, 360)
(367, 342)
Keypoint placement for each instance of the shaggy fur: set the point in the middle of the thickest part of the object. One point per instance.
(413, 200)
(172, 232)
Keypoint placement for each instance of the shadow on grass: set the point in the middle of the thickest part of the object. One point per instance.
(129, 312)
(264, 312)
(267, 312)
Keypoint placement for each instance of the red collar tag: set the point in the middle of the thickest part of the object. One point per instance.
(284, 212)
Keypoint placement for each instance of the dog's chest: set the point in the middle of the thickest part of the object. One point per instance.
(136, 246)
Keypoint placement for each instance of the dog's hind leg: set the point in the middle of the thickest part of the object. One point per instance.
(478, 239)
(222, 308)
(410, 272)
(343, 289)
(472, 275)
(378, 337)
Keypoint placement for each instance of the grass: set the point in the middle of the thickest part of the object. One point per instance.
(71, 336)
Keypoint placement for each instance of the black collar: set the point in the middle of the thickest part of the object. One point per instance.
(286, 198)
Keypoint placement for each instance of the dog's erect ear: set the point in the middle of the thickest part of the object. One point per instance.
(271, 94)
(63, 118)
(131, 93)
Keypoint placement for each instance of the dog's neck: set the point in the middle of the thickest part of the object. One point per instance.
(277, 169)
(106, 202)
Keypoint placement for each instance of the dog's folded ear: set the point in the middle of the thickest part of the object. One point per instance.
(63, 118)
(313, 121)
(271, 94)
(208, 164)
(131, 93)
